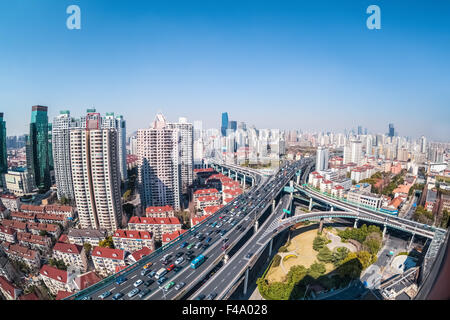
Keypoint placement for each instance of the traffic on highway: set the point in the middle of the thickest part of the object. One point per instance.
(174, 271)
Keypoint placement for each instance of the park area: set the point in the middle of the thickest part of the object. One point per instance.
(311, 263)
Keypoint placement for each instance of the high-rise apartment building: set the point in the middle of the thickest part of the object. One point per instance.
(38, 148)
(322, 159)
(186, 149)
(3, 153)
(96, 175)
(117, 122)
(391, 132)
(159, 172)
(61, 154)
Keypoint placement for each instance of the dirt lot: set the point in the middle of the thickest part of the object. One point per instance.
(301, 244)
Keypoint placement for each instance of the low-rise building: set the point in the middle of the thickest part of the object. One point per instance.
(197, 220)
(205, 192)
(72, 255)
(364, 198)
(167, 237)
(230, 194)
(4, 212)
(51, 229)
(9, 290)
(133, 240)
(106, 259)
(30, 257)
(160, 212)
(211, 209)
(7, 234)
(10, 201)
(207, 201)
(34, 241)
(157, 226)
(139, 254)
(82, 236)
(19, 226)
(52, 219)
(55, 279)
(67, 211)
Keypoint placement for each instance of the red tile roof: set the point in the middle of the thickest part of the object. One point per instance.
(62, 294)
(206, 191)
(139, 254)
(87, 279)
(18, 225)
(68, 248)
(54, 273)
(8, 287)
(29, 207)
(204, 170)
(197, 220)
(116, 254)
(23, 215)
(149, 220)
(58, 208)
(167, 237)
(64, 238)
(208, 198)
(159, 209)
(132, 234)
(7, 230)
(30, 296)
(212, 209)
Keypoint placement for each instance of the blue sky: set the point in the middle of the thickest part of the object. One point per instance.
(288, 64)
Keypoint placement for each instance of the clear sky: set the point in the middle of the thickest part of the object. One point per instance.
(310, 65)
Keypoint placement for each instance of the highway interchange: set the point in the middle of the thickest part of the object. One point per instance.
(242, 212)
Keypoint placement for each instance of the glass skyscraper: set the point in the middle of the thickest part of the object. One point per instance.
(391, 130)
(39, 148)
(224, 127)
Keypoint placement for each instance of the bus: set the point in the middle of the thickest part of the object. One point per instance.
(160, 273)
(197, 261)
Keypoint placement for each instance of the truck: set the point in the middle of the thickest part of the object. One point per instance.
(161, 272)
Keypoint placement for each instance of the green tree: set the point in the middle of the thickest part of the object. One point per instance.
(316, 270)
(339, 254)
(43, 233)
(372, 243)
(126, 195)
(107, 243)
(325, 254)
(365, 258)
(87, 247)
(319, 242)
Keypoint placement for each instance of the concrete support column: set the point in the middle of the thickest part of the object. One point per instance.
(384, 231)
(243, 183)
(256, 226)
(355, 225)
(270, 248)
(332, 208)
(411, 242)
(298, 180)
(236, 178)
(321, 225)
(310, 204)
(246, 282)
(273, 205)
(229, 173)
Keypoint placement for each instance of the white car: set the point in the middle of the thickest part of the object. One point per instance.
(138, 283)
(179, 260)
(133, 292)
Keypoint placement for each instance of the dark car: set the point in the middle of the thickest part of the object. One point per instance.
(205, 246)
(148, 283)
(179, 254)
(248, 255)
(117, 296)
(189, 252)
(176, 269)
(191, 257)
(200, 297)
(121, 280)
(143, 293)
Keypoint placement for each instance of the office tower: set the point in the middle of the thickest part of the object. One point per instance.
(159, 174)
(186, 149)
(322, 159)
(50, 148)
(3, 153)
(224, 127)
(242, 126)
(96, 175)
(360, 130)
(232, 125)
(117, 122)
(391, 132)
(38, 147)
(61, 154)
(365, 131)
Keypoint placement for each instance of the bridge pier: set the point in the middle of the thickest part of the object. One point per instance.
(246, 281)
(270, 248)
(256, 226)
(384, 231)
(236, 179)
(310, 204)
(320, 225)
(411, 242)
(273, 205)
(243, 182)
(355, 225)
(331, 208)
(298, 180)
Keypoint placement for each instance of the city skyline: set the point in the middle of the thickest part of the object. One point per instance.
(265, 64)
